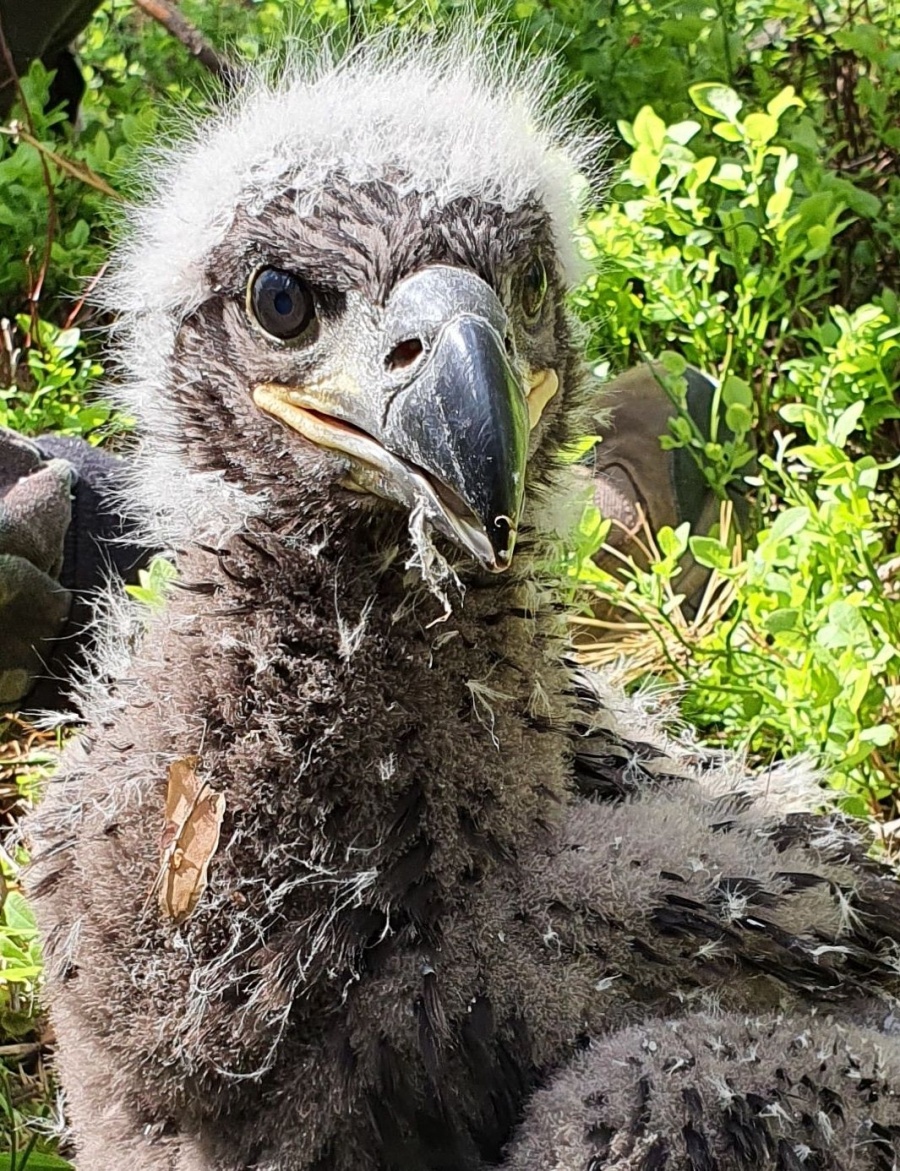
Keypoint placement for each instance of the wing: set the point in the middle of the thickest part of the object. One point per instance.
(721, 1094)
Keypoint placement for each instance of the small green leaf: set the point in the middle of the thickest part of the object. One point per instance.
(626, 132)
(673, 363)
(18, 913)
(710, 552)
(727, 131)
(683, 132)
(777, 204)
(790, 522)
(738, 419)
(700, 172)
(643, 167)
(819, 239)
(783, 101)
(880, 735)
(847, 422)
(736, 391)
(760, 128)
(20, 975)
(710, 97)
(781, 621)
(730, 176)
(649, 129)
(673, 542)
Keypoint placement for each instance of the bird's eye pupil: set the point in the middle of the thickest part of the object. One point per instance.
(281, 303)
(284, 303)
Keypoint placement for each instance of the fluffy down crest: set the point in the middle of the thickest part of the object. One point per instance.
(449, 120)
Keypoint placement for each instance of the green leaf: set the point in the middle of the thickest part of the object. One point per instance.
(727, 131)
(819, 238)
(673, 542)
(710, 552)
(862, 38)
(730, 176)
(862, 202)
(760, 128)
(751, 704)
(787, 165)
(626, 132)
(736, 391)
(777, 204)
(880, 735)
(783, 101)
(700, 172)
(710, 97)
(20, 975)
(79, 235)
(795, 413)
(738, 419)
(154, 583)
(643, 167)
(649, 129)
(790, 522)
(781, 621)
(683, 132)
(821, 457)
(18, 913)
(846, 423)
(673, 363)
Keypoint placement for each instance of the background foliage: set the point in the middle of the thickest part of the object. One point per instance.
(752, 228)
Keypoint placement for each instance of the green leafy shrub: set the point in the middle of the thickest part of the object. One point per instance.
(20, 964)
(50, 245)
(49, 384)
(804, 655)
(27, 1107)
(725, 252)
(725, 244)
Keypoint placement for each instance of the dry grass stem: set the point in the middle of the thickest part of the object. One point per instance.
(645, 634)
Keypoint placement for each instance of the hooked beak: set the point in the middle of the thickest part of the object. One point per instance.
(438, 419)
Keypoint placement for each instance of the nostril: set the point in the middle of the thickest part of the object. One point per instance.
(404, 354)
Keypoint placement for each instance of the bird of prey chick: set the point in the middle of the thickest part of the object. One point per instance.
(348, 871)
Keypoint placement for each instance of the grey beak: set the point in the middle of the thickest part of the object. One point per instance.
(459, 410)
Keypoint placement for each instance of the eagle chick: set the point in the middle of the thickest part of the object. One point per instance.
(465, 908)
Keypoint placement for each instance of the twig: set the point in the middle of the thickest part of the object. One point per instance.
(91, 285)
(180, 27)
(23, 1049)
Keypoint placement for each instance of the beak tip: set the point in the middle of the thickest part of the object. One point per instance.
(503, 541)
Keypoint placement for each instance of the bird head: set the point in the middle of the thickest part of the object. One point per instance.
(354, 283)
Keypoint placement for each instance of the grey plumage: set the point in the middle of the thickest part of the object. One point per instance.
(462, 899)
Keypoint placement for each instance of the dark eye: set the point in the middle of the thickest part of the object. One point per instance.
(534, 288)
(281, 302)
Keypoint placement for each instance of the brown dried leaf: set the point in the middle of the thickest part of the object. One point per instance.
(190, 837)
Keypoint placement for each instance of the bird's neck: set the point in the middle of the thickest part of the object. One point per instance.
(358, 728)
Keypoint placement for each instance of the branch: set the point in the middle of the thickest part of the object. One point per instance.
(180, 27)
